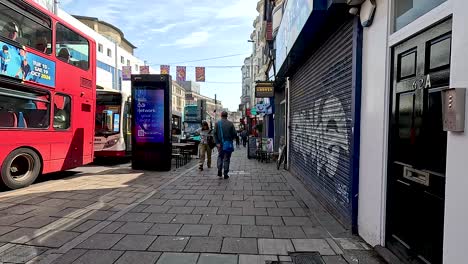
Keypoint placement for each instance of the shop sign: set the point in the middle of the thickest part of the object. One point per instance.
(264, 90)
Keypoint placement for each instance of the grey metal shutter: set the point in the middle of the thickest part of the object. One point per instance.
(321, 96)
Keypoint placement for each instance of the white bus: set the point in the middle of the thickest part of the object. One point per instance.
(113, 124)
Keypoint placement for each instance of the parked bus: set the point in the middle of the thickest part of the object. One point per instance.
(47, 94)
(113, 124)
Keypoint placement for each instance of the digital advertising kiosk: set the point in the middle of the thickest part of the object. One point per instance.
(151, 122)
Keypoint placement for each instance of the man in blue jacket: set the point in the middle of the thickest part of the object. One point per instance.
(228, 134)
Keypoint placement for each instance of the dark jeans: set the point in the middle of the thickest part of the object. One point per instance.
(224, 159)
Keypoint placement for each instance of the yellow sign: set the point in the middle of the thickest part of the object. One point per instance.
(264, 90)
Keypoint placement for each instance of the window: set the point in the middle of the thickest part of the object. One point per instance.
(100, 48)
(109, 52)
(136, 67)
(406, 11)
(128, 62)
(72, 48)
(62, 111)
(122, 59)
(33, 30)
(24, 109)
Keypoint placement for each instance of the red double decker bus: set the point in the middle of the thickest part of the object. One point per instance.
(47, 94)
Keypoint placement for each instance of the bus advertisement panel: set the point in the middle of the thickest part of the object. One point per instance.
(149, 114)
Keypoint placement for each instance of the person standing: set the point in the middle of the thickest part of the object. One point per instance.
(244, 135)
(224, 135)
(205, 150)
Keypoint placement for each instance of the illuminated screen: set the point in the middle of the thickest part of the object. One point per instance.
(149, 115)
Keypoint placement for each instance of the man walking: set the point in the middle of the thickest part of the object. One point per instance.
(224, 134)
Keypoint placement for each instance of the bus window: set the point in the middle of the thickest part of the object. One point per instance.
(62, 111)
(24, 109)
(28, 30)
(72, 48)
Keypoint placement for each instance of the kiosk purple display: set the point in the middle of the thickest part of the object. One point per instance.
(149, 115)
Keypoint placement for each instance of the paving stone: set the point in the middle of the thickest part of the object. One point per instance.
(203, 192)
(204, 244)
(101, 241)
(21, 254)
(187, 192)
(112, 227)
(53, 239)
(193, 196)
(240, 245)
(257, 231)
(318, 245)
(217, 259)
(53, 202)
(133, 217)
(241, 220)
(288, 232)
(334, 260)
(164, 229)
(157, 209)
(98, 215)
(315, 232)
(11, 219)
(78, 204)
(262, 193)
(297, 221)
(6, 229)
(169, 243)
(198, 203)
(269, 220)
(132, 257)
(254, 211)
(194, 230)
(214, 219)
(242, 204)
(225, 231)
(160, 218)
(99, 257)
(274, 198)
(19, 209)
(275, 246)
(20, 235)
(181, 210)
(205, 210)
(85, 226)
(173, 196)
(134, 242)
(229, 211)
(179, 258)
(256, 259)
(233, 197)
(36, 222)
(134, 228)
(220, 203)
(70, 256)
(212, 197)
(262, 204)
(299, 212)
(186, 219)
(279, 212)
(154, 202)
(176, 202)
(288, 204)
(285, 259)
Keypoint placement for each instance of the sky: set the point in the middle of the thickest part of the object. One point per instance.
(178, 31)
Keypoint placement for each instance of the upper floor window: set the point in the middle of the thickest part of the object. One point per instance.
(136, 67)
(109, 52)
(407, 11)
(128, 62)
(100, 48)
(71, 47)
(32, 30)
(122, 59)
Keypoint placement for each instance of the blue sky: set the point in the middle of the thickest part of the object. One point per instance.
(175, 31)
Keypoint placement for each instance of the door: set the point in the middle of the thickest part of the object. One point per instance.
(417, 145)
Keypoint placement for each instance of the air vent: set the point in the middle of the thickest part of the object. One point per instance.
(86, 83)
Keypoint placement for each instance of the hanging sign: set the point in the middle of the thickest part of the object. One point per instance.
(264, 89)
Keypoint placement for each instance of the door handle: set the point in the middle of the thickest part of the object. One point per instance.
(418, 176)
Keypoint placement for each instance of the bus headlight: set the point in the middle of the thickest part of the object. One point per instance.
(111, 143)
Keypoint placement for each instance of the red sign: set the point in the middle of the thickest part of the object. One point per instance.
(269, 31)
(200, 74)
(165, 69)
(181, 73)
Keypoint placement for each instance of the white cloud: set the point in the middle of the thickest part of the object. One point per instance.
(195, 39)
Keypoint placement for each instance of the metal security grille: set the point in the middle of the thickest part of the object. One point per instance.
(321, 96)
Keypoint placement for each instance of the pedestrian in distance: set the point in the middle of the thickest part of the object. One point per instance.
(205, 149)
(244, 135)
(224, 135)
(237, 140)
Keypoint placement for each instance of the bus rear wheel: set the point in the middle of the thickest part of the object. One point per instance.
(20, 168)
